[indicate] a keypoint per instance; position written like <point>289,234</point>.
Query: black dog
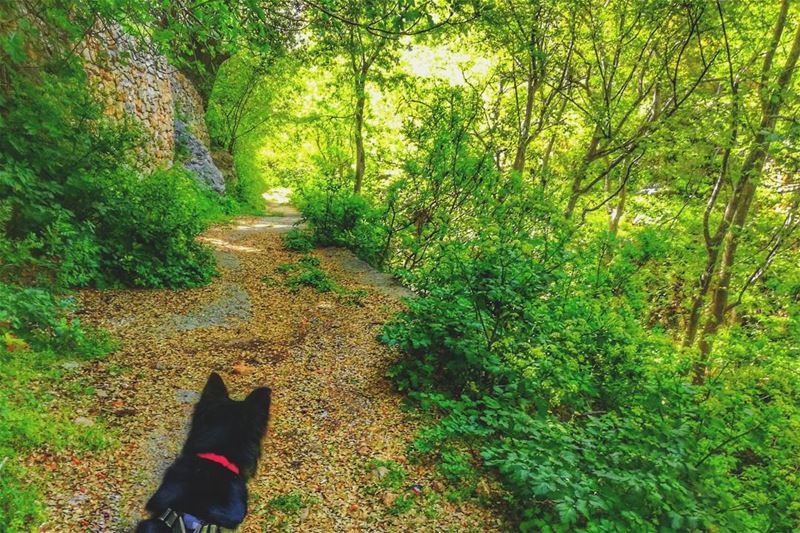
<point>205,488</point>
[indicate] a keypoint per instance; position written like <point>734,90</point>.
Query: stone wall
<point>134,83</point>
<point>137,83</point>
<point>189,106</point>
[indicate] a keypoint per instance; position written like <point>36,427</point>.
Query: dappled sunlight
<point>283,215</point>
<point>225,245</point>
<point>510,266</point>
<point>263,225</point>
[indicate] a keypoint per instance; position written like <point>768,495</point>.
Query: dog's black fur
<point>203,488</point>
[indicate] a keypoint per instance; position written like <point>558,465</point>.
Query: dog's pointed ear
<point>215,388</point>
<point>258,402</point>
<point>260,399</point>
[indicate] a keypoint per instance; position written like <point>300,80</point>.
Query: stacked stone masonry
<point>137,83</point>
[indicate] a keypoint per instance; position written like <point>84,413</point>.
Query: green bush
<point>44,321</point>
<point>296,240</point>
<point>71,183</point>
<point>76,209</point>
<point>586,419</point>
<point>146,229</point>
<point>337,217</point>
<point>311,277</point>
<point>117,227</point>
<point>306,273</point>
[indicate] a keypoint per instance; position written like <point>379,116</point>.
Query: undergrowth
<point>306,272</point>
<point>296,240</point>
<point>285,510</point>
<point>337,217</point>
<point>37,404</point>
<point>583,417</point>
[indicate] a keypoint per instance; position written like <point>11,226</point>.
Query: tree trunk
<point>712,258</point>
<point>718,306</point>
<point>525,131</point>
<point>743,196</point>
<point>358,133</point>
<point>577,181</point>
<point>616,212</point>
<point>693,324</point>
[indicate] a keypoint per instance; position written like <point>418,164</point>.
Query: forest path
<point>335,452</point>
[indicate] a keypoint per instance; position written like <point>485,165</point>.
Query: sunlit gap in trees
<point>441,61</point>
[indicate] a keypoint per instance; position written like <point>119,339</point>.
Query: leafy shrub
<point>402,504</point>
<point>337,217</point>
<point>44,321</point>
<point>71,182</point>
<point>119,228</point>
<point>484,303</point>
<point>353,297</point>
<point>76,209</point>
<point>147,231</point>
<point>585,418</point>
<point>306,273</point>
<point>311,277</point>
<point>296,240</point>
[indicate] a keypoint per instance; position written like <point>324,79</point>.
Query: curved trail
<point>334,414</point>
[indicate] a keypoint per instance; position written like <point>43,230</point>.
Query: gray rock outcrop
<point>198,158</point>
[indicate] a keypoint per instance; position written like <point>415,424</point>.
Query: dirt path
<point>335,454</point>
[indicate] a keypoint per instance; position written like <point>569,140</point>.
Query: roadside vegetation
<point>596,204</point>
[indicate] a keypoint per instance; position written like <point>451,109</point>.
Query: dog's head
<point>229,427</point>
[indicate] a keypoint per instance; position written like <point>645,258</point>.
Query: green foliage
<point>307,273</point>
<point>147,228</point>
<point>248,116</point>
<point>71,188</point>
<point>115,228</point>
<point>353,297</point>
<point>311,277</point>
<point>42,320</point>
<point>297,240</point>
<point>38,333</point>
<point>198,38</point>
<point>457,467</point>
<point>403,504</point>
<point>337,217</point>
<point>288,503</point>
<point>447,177</point>
<point>284,510</point>
<point>570,187</point>
<point>584,417</point>
<point>77,208</point>
<point>389,474</point>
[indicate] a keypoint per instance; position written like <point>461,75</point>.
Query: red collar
<point>220,460</point>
